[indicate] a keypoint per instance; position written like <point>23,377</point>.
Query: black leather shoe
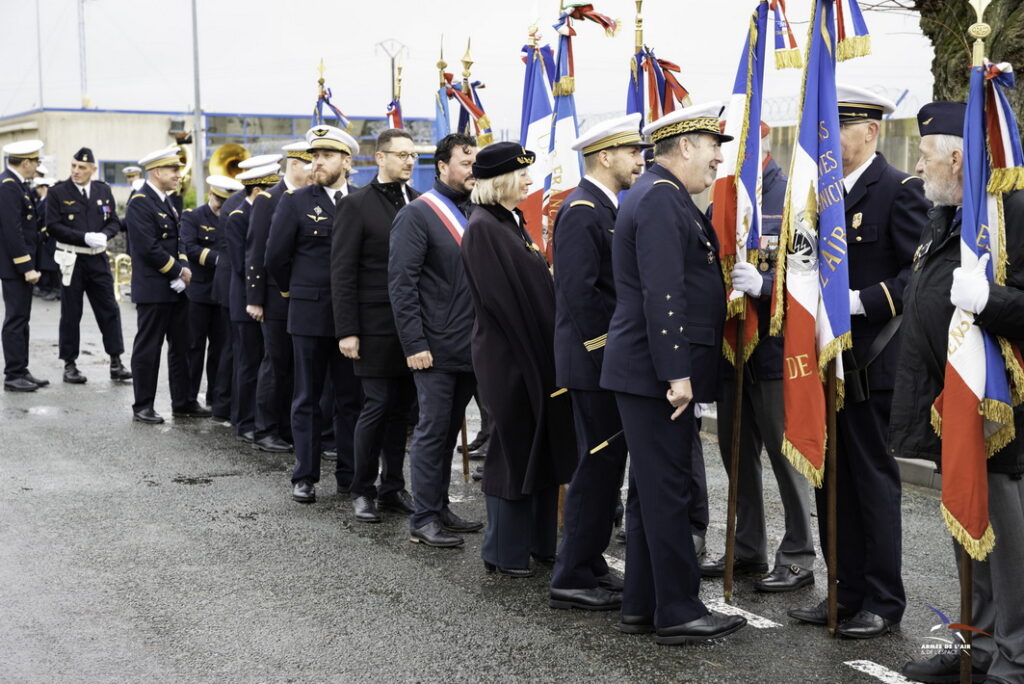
<point>72,375</point>
<point>785,578</point>
<point>636,624</point>
<point>940,669</point>
<point>20,385</point>
<point>273,444</point>
<point>477,474</point>
<point>705,628</point>
<point>148,415</point>
<point>398,502</point>
<point>584,599</point>
<point>249,436</point>
<point>365,509</point>
<point>543,560</point>
<point>866,625</point>
<point>37,381</point>
<point>611,582</point>
<point>432,534</point>
<point>818,615</point>
<point>304,492</point>
<point>453,523</point>
<point>739,567</point>
<point>478,454</point>
<point>192,410</point>
<point>519,573</point>
<point>117,369</point>
<point>329,454</point>
<point>479,442</point>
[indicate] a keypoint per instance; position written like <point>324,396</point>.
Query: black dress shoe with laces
<point>597,598</point>
<point>20,385</point>
<point>710,626</point>
<point>329,454</point>
<point>785,578</point>
<point>365,509</point>
<point>148,415</point>
<point>636,624</point>
<point>866,625</point>
<point>37,381</point>
<point>453,523</point>
<point>192,410</point>
<point>303,491</point>
<point>943,668</point>
<point>432,534</point>
<point>519,573</point>
<point>739,567</point>
<point>397,502</point>
<point>72,375</point>
<point>118,371</point>
<point>818,615</point>
<point>272,444</point>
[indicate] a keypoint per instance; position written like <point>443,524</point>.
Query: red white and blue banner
<point>983,379</point>
<point>654,89</point>
<point>535,127</point>
<point>395,114</point>
<point>813,278</point>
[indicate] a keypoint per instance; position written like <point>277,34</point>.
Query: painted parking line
<point>879,672</point>
<point>754,620</point>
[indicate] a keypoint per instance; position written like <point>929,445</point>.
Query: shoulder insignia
<point>8,180</point>
<point>70,202</point>
<point>667,182</point>
<point>289,192</point>
<point>582,203</point>
<point>911,178</point>
<point>138,194</point>
<point>185,212</point>
<point>264,193</point>
<point>236,211</point>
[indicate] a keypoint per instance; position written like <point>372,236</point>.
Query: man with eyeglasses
<point>365,327</point>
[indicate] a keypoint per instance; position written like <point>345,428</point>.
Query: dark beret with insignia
<point>942,118</point>
<point>501,158</point>
<point>85,155</point>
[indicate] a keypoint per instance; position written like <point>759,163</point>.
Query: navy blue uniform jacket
<point>19,227</point>
<point>235,228</point>
<point>584,285</point>
<point>222,270</point>
<point>199,230</point>
<point>69,216</point>
<point>670,295</point>
<point>260,288</point>
<point>157,257</point>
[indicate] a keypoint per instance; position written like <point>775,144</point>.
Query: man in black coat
<point>584,302</point>
<point>299,258</point>
<point>265,304</point>
<point>365,327</point>
<point>434,318</point>
<point>885,213</point>
<point>662,355</point>
<point>938,284</point>
<point>81,216</point>
<point>160,275</point>
<point>19,239</point>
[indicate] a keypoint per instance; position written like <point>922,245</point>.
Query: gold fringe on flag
<point>1015,371</point>
<point>1002,414</point>
<point>1006,180</point>
<point>936,421</point>
<point>802,465</point>
<point>484,139</point>
<point>854,46</point>
<point>978,549</point>
<point>789,58</point>
<point>564,86</point>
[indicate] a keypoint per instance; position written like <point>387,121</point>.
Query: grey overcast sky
<point>260,56</point>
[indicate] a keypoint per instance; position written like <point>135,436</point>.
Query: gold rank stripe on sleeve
<point>183,257</point>
<point>168,266</point>
<point>668,182</point>
<point>892,306</point>
<point>202,256</point>
<point>558,392</point>
<point>286,295</point>
<point>582,203</point>
<point>596,343</point>
<point>22,259</point>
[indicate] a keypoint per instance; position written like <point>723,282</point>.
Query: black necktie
<point>85,195</point>
<point>170,206</point>
<point>337,198</point>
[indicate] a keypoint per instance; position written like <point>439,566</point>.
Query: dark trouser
<point>91,278</point>
<point>662,575</point>
<point>381,431</point>
<point>274,382</point>
<point>17,310</point>
<point>761,426</point>
<point>209,338</point>
<point>700,513</point>
<point>315,358</point>
<point>521,527</point>
<point>868,519</point>
<point>593,493</point>
<point>247,343</point>
<point>157,322</point>
<point>224,404</point>
<point>442,403</point>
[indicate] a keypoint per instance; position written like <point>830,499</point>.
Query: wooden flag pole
<point>831,388</point>
<point>966,613</point>
<point>465,454</point>
<point>734,455</point>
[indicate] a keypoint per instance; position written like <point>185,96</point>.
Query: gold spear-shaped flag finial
<point>639,25</point>
<point>467,61</point>
<point>441,64</point>
<point>979,30</point>
<point>398,82</point>
<point>320,70</point>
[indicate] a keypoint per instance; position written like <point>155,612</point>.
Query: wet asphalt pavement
<point>131,552</point>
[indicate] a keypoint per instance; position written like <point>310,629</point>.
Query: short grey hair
<point>497,189</point>
<point>668,146</point>
<point>946,145</point>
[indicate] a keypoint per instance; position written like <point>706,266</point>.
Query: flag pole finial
<point>441,64</point>
<point>979,31</point>
<point>398,82</point>
<point>639,25</point>
<point>467,61</point>
<point>320,70</point>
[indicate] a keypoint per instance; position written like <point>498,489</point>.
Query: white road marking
<point>755,621</point>
<point>877,671</point>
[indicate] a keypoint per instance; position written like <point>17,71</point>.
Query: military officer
<point>886,212</point>
<point>299,259</point>
<point>19,240</point>
<point>208,336</point>
<point>81,216</point>
<point>246,336</point>
<point>662,356</point>
<point>265,304</point>
<point>584,302</point>
<point>133,176</point>
<point>160,274</point>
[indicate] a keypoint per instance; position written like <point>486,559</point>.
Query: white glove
<point>970,288</point>
<point>95,240</point>
<point>745,278</point>
<point>178,285</point>
<point>856,306</point>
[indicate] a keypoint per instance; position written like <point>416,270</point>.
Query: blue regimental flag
<point>535,128</point>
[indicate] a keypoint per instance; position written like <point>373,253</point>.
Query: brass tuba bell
<point>224,160</point>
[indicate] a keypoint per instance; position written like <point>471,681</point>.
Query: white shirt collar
<point>249,200</point>
<point>287,185</point>
<point>852,178</point>
<point>83,187</point>
<point>333,192</point>
<point>611,195</point>
<point>159,193</point>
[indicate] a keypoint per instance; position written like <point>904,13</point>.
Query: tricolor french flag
<point>535,128</point>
